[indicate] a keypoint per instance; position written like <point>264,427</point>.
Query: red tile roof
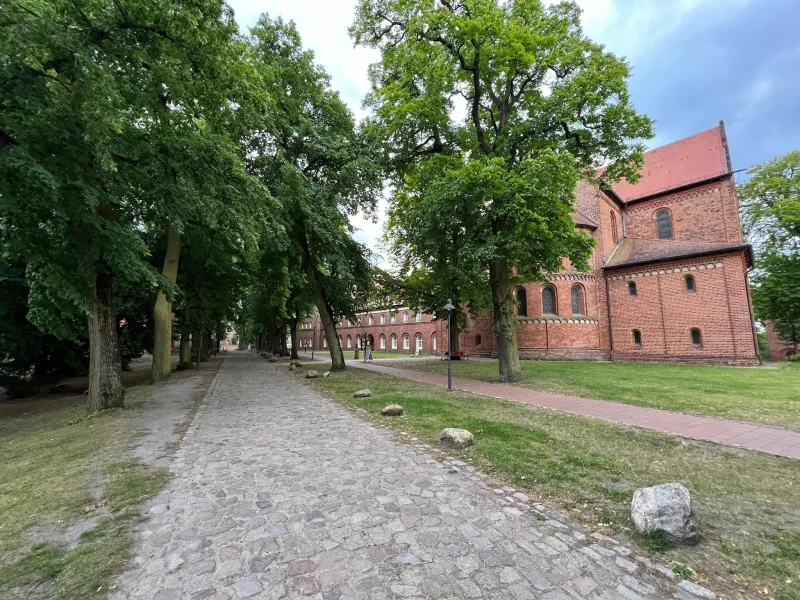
<point>637,251</point>
<point>693,159</point>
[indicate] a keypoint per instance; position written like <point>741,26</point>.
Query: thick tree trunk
<point>185,348</point>
<point>293,335</point>
<point>105,364</point>
<point>162,313</point>
<point>196,343</point>
<point>324,309</point>
<point>505,322</point>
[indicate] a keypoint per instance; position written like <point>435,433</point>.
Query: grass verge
<point>747,504</point>
<point>760,395</point>
<point>63,471</point>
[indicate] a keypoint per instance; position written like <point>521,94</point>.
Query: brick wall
<point>665,312</point>
<point>709,213</point>
<point>779,349</point>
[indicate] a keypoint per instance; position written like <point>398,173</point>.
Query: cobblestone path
<point>280,493</point>
<point>761,438</point>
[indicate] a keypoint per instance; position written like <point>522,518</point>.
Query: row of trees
<point>162,174</point>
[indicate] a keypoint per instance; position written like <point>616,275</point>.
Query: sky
<point>695,62</point>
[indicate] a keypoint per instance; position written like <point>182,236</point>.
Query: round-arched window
<point>549,301</point>
<point>663,224</point>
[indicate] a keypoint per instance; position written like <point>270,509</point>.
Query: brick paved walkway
<point>278,492</point>
<point>771,440</point>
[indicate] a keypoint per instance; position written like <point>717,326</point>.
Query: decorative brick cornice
<point>575,320</point>
<point>569,276</point>
<point>656,272</point>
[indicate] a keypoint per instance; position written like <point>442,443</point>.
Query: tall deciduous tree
<point>312,157</point>
<point>770,202</point>
<point>776,294</point>
<point>544,106</point>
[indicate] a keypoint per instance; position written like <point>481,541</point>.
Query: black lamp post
<point>449,308</point>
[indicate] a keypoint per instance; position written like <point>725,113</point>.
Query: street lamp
<point>449,308</point>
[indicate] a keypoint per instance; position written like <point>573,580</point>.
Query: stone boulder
<point>312,375</point>
<point>393,410</point>
<point>326,374</point>
<point>456,438</point>
<point>295,363</point>
<point>292,367</point>
<point>666,508</point>
<point>272,359</point>
<point>363,394</point>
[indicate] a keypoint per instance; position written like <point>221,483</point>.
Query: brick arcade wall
<point>709,213</point>
<point>664,312</point>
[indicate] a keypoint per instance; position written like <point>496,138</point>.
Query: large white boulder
<point>666,508</point>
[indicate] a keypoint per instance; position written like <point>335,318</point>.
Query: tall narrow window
<point>664,224</point>
<point>578,300</point>
<point>697,338</point>
<point>478,340</point>
<point>521,298</point>
<point>394,342</point>
<point>371,320</point>
<point>394,319</point>
<point>383,319</point>
<point>637,338</point>
<point>632,288</point>
<point>324,342</point>
<point>690,284</point>
<point>433,342</point>
<point>406,342</point>
<point>382,342</point>
<point>419,316</point>
<point>614,233</point>
<point>419,342</point>
<point>349,342</point>
<point>549,301</point>
<point>405,317</point>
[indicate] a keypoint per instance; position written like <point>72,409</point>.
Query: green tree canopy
<point>776,293</point>
<point>490,112</point>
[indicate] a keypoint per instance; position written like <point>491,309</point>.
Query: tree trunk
<point>293,334</point>
<point>105,364</point>
<point>324,309</point>
<point>505,322</point>
<point>162,313</point>
<point>185,348</point>
<point>195,343</point>
<point>454,341</point>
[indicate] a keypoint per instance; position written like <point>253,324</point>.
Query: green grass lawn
<point>52,456</point>
<point>761,395</point>
<point>747,504</point>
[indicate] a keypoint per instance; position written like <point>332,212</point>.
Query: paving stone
<point>278,492</point>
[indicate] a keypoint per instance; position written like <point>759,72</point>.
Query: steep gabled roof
<point>639,251</point>
<point>697,158</point>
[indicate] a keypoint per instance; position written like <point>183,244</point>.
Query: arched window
<point>349,342</point>
<point>371,320</point>
<point>478,339</point>
<point>383,319</point>
<point>405,317</point>
<point>632,288</point>
<point>637,338</point>
<point>406,342</point>
<point>549,301</point>
<point>382,342</point>
<point>394,319</point>
<point>697,338</point>
<point>578,297</point>
<point>394,342</point>
<point>614,233</point>
<point>433,342</point>
<point>358,341</point>
<point>419,342</point>
<point>324,342</point>
<point>419,316</point>
<point>521,298</point>
<point>664,224</point>
<point>690,284</point>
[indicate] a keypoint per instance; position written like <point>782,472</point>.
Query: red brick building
<point>668,278</point>
<point>780,350</point>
